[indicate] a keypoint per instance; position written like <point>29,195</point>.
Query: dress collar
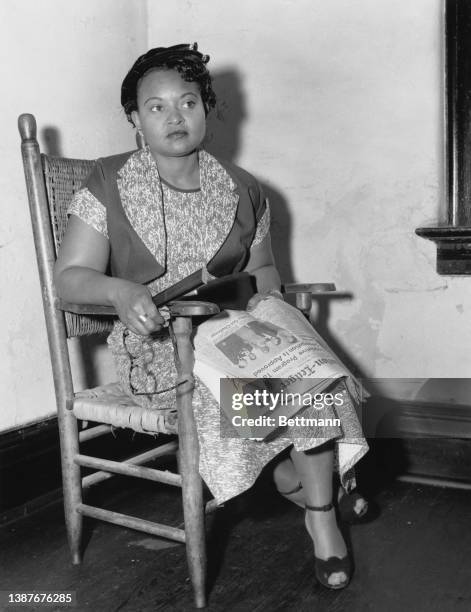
<point>141,192</point>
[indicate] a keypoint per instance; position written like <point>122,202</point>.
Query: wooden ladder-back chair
<point>51,182</point>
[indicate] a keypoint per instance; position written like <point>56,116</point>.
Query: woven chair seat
<point>110,404</point>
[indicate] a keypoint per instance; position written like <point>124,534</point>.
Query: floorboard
<point>414,556</point>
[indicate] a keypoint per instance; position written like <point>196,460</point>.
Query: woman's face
<point>170,113</point>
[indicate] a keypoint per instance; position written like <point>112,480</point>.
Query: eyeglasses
<point>141,353</point>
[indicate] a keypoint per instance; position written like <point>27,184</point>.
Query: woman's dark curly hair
<point>185,59</point>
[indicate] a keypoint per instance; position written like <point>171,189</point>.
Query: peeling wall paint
<point>338,107</point>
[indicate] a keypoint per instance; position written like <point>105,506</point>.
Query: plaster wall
<point>63,62</point>
<point>337,107</point>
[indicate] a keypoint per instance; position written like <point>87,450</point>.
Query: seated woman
<point>158,214</point>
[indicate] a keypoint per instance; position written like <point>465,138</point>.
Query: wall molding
<point>436,444</point>
<point>431,419</point>
<point>29,468</point>
<point>30,473</point>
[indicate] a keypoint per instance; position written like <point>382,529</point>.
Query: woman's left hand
<point>259,297</point>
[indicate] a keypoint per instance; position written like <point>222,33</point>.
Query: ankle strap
<point>325,508</point>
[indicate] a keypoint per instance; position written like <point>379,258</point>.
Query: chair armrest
<point>177,309</point>
<point>84,309</point>
<point>304,293</point>
<point>192,308</point>
<point>309,288</point>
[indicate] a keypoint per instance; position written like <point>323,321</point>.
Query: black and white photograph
<point>198,193</point>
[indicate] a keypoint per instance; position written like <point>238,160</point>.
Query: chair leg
<point>194,517</point>
<point>192,486</point>
<point>71,482</point>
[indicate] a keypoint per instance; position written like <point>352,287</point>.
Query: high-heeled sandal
<point>345,505</point>
<point>324,568</point>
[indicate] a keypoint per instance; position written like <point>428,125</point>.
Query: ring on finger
<point>143,317</point>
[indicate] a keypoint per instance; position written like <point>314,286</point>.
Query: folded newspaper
<point>266,365</point>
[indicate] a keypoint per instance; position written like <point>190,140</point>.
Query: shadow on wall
<point>320,319</point>
<point>89,345</point>
<point>224,127</point>
<point>51,139</point>
<point>224,137</point>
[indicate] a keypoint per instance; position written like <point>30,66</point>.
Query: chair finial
<point>27,126</point>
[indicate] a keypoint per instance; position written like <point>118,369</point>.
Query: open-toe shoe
<point>347,506</point>
<point>324,568</point>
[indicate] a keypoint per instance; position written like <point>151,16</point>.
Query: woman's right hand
<point>79,275</point>
<point>135,308</point>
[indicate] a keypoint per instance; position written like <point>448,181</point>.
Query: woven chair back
<point>63,178</point>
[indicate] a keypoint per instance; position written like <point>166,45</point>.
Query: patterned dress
<point>228,465</point>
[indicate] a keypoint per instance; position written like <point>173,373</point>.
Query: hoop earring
<point>140,140</point>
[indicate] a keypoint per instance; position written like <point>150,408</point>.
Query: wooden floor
<point>414,556</point>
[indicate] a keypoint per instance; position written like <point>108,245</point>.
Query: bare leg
<point>287,480</point>
<point>315,470</point>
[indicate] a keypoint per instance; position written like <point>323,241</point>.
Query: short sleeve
<point>90,210</point>
<point>263,226</point>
